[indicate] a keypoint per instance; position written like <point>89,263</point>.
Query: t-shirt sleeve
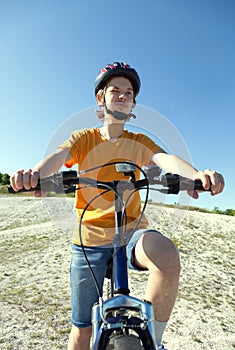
<point>72,145</point>
<point>150,148</point>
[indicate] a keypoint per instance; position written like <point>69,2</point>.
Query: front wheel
<point>121,342</point>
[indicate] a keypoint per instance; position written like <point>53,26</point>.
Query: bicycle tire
<point>121,342</point>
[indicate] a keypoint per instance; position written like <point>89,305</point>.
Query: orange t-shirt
<point>88,149</point>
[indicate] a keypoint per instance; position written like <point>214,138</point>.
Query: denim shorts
<point>83,289</point>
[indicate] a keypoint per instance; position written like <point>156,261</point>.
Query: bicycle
<point>121,321</point>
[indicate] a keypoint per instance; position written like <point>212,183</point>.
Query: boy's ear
<point>100,99</point>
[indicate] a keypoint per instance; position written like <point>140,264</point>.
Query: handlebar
<point>67,181</point>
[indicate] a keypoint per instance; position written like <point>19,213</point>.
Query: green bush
<point>4,179</point>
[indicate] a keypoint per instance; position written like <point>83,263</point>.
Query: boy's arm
<point>176,165</point>
<point>47,166</point>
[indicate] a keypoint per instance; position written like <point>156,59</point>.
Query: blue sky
<point>184,51</point>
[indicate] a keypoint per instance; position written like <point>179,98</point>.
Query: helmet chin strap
<point>119,115</point>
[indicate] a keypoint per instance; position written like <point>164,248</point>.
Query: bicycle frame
<point>122,301</point>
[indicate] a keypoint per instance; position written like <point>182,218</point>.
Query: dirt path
<point>34,278</point>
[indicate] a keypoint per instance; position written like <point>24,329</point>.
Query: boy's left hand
<point>210,180</point>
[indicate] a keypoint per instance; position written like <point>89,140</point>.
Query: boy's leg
<point>79,338</point>
<point>150,250</point>
<point>159,255</point>
<point>83,291</point>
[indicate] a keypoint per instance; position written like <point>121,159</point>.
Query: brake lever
<point>171,182</point>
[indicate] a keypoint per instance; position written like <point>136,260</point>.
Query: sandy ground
<point>34,277</point>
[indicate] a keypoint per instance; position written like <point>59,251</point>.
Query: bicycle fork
<point>119,303</point>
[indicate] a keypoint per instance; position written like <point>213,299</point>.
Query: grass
<point>4,189</point>
<point>216,210</point>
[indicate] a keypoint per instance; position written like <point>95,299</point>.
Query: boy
<point>116,88</point>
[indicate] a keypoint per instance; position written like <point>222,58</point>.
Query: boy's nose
<point>122,96</point>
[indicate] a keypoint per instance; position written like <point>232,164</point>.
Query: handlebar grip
<point>52,183</point>
<point>198,186</point>
<point>177,183</point>
<point>12,191</point>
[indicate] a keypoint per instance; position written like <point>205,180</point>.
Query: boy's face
<point>119,95</point>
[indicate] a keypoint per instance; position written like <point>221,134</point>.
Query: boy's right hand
<point>24,179</point>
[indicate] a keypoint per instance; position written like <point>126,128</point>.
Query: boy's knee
<point>161,252</point>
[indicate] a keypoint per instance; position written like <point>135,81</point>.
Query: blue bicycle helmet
<point>117,69</point>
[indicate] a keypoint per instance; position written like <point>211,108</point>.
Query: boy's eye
<point>115,91</point>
